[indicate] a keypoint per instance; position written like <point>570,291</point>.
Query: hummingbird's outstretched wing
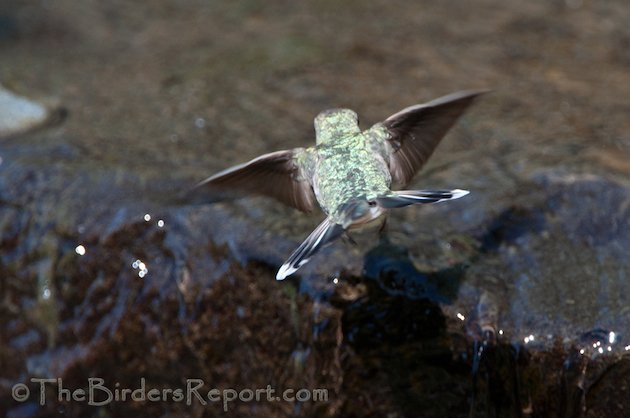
<point>416,131</point>
<point>401,198</point>
<point>277,174</point>
<point>325,232</point>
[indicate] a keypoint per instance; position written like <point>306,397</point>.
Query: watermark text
<point>98,393</point>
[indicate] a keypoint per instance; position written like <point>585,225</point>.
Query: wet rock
<point>166,326</point>
<point>555,262</point>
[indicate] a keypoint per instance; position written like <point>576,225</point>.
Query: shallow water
<point>512,301</point>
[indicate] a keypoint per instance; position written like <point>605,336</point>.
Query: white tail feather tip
<point>457,193</point>
<point>285,271</point>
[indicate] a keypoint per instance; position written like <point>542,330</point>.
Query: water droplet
<point>460,316</point>
<point>141,267</point>
<point>160,223</point>
<point>147,217</point>
<point>80,250</point>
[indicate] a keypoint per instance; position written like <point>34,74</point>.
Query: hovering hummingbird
<point>351,173</point>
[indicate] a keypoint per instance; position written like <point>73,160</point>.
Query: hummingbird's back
<point>348,169</point>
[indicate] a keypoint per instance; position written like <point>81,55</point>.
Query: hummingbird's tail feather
<point>325,232</point>
<point>409,197</point>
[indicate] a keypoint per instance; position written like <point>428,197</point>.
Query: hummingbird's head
<point>333,123</point>
<point>359,212</point>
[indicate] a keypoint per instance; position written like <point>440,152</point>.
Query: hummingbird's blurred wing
<point>416,131</point>
<point>277,174</point>
<point>325,232</point>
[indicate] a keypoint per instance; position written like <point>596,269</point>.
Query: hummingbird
<point>354,176</point>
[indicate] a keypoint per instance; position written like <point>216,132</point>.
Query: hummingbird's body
<point>353,160</point>
<point>350,173</point>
